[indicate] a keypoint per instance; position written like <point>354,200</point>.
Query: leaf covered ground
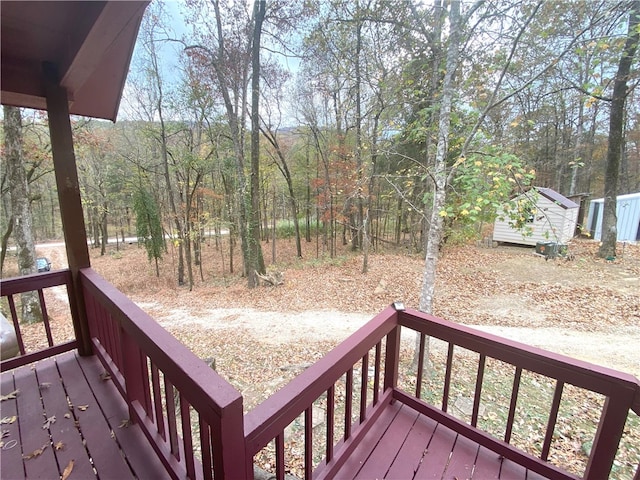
<point>261,338</point>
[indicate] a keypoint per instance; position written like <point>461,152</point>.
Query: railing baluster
<point>205,449</point>
<point>45,317</point>
<point>171,417</point>
<point>308,442</point>
<point>331,394</point>
<point>109,337</point>
<point>16,324</point>
<point>376,379</point>
<point>478,392</point>
<point>420,365</point>
<point>92,316</point>
<point>447,379</point>
<point>363,387</point>
<point>553,417</point>
<point>512,405</point>
<point>157,400</point>
<point>280,466</point>
<point>187,439</point>
<point>348,403</point>
<point>113,328</point>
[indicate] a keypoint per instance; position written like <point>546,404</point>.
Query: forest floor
<point>586,307</point>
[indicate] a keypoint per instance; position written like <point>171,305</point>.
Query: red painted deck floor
<point>404,444</point>
<point>69,417</point>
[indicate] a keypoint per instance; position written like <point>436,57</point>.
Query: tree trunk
<point>440,174</point>
<point>256,259</point>
<point>616,127</point>
<point>440,169</point>
<point>20,208</point>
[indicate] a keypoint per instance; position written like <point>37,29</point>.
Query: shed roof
<point>557,198</point>
<point>90,43</point>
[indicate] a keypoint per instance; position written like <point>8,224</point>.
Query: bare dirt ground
<point>587,308</point>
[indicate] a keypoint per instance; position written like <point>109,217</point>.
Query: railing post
<point>610,429</point>
<point>230,458</point>
<point>71,213</point>
<point>392,356</point>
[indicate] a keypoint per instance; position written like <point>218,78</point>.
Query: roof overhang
<point>89,43</point>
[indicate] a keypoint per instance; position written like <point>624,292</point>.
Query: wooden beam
<point>71,213</point>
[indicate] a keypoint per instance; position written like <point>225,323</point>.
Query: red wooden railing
<point>37,282</point>
<point>181,404</point>
<point>621,392</point>
<point>268,421</point>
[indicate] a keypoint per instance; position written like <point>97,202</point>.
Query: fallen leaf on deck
<point>67,470</point>
<point>83,408</point>
<point>124,423</point>
<point>5,434</point>
<point>59,446</point>
<point>6,420</point>
<point>44,385</point>
<point>48,422</point>
<point>35,453</point>
<point>104,376</point>
<point>10,396</point>
<point>113,434</point>
<point>67,415</point>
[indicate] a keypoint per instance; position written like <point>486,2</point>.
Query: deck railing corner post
<point>79,314</point>
<point>230,458</point>
<point>392,356</point>
<point>609,433</point>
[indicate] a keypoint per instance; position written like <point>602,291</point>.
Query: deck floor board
<point>463,458</point>
<point>11,451</point>
<point>408,445</point>
<point>116,412</point>
<point>31,418</point>
<point>408,459</point>
<point>384,453</point>
<point>88,413</point>
<point>64,433</point>
<point>100,444</point>
<point>364,448</point>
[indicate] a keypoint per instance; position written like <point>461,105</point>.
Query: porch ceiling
<point>90,42</point>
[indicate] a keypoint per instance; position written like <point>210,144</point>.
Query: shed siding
<point>552,222</point>
<point>628,211</point>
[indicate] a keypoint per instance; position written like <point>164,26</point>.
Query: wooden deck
<point>69,415</point>
<point>409,445</point>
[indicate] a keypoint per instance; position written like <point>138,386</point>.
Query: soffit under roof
<point>89,42</point>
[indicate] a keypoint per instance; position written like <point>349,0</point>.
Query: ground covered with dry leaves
<point>260,338</point>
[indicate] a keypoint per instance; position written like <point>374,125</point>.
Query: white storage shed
<point>553,219</point>
<point>628,213</point>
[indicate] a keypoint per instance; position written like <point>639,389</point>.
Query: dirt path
<point>588,309</point>
<point>277,328</point>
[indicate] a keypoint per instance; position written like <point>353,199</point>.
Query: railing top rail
<point>577,372</point>
<point>206,389</point>
<point>636,402</point>
<point>286,404</point>
<point>34,281</point>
